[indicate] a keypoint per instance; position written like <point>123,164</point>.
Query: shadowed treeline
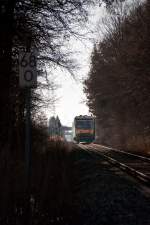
<point>119,79</point>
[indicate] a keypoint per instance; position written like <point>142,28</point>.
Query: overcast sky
<point>71,98</point>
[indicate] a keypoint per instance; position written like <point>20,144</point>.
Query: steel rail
<point>131,171</point>
<point>123,152</point>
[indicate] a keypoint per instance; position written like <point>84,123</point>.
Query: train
<point>84,129</point>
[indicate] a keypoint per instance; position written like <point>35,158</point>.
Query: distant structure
<point>55,127</point>
<point>67,131</point>
<point>57,131</point>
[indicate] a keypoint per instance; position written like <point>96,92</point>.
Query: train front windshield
<point>84,124</point>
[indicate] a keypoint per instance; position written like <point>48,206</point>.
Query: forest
<point>117,90</point>
<point>43,26</point>
<point>118,83</point>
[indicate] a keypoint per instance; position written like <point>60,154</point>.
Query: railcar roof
<point>84,117</point>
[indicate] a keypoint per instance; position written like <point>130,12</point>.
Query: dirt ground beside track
<point>102,195</point>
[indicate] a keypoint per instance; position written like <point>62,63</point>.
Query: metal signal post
<point>28,151</point>
<point>28,80</point>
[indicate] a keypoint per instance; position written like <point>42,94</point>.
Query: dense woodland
<point>26,25</point>
<point>118,84</point>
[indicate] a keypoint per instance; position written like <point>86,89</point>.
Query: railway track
<point>136,165</point>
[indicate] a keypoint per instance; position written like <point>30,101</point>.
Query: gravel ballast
<point>103,195</point>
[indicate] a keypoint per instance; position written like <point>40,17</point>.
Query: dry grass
<point>50,186</point>
<point>139,144</point>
